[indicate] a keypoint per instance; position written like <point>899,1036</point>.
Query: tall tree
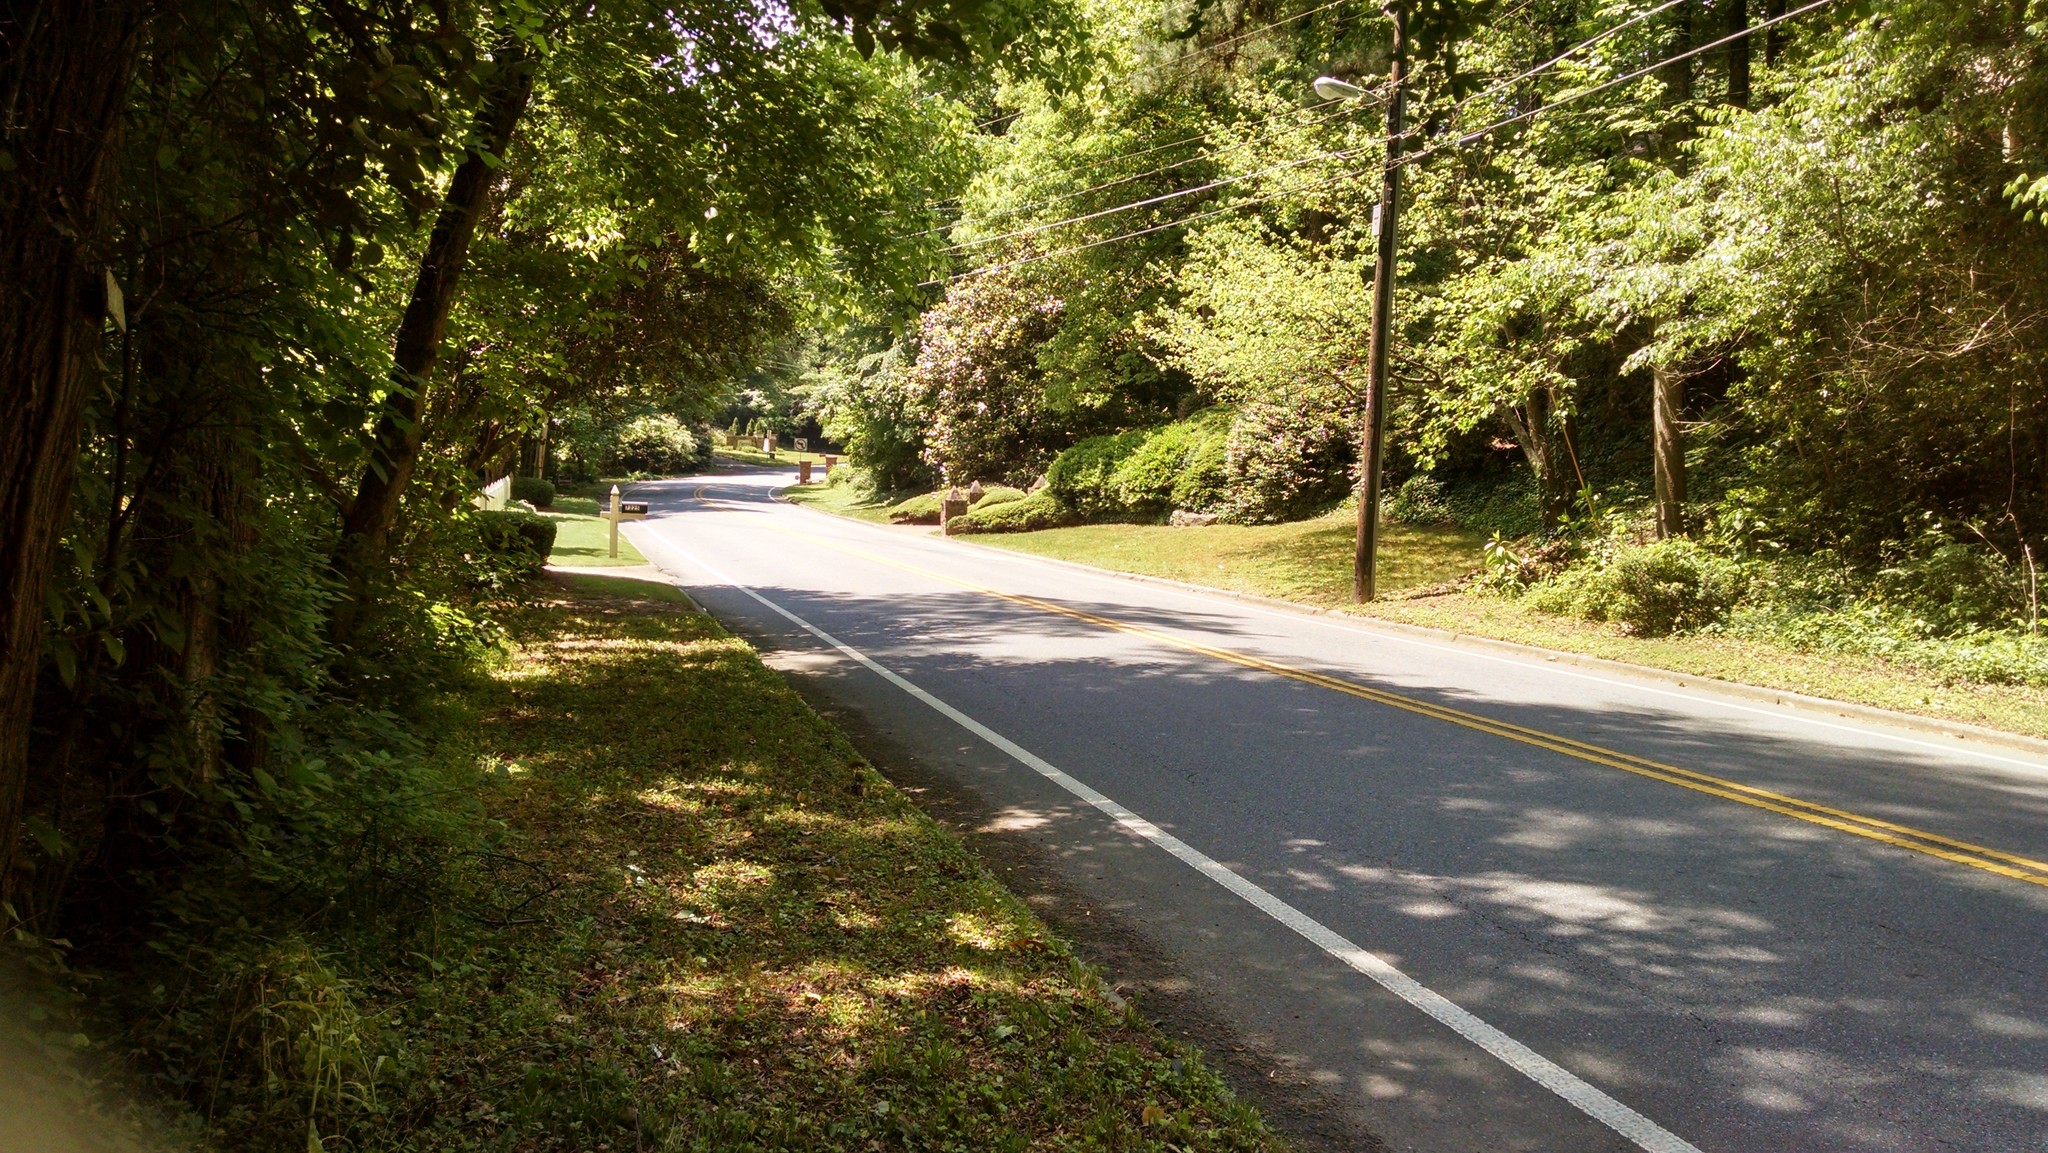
<point>64,69</point>
<point>395,444</point>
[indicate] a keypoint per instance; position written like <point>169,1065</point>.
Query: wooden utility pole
<point>1667,381</point>
<point>1368,537</point>
<point>1667,444</point>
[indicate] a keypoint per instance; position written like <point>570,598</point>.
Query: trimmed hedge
<point>922,509</point>
<point>1034,512</point>
<point>999,494</point>
<point>1178,466</point>
<point>1084,477</point>
<point>516,535</point>
<point>536,491</point>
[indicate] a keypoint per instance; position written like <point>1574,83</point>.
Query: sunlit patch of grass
<point>584,540</point>
<point>1306,561</point>
<point>1309,563</point>
<point>842,499</point>
<point>708,924</point>
<point>1745,659</point>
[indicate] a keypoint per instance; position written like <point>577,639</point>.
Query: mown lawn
<point>710,925</point>
<point>582,537</point>
<point>842,499</point>
<point>784,455</point>
<point>585,540</point>
<point>1306,561</point>
<point>1309,563</point>
<point>1749,660</point>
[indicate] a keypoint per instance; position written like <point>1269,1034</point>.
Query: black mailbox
<point>632,508</point>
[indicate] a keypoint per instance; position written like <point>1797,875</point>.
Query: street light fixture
<point>1331,88</point>
<point>1365,555</point>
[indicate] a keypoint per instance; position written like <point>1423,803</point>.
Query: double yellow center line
<point>1990,860</point>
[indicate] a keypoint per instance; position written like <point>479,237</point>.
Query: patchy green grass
<point>783,456</point>
<point>709,925</point>
<point>1306,561</point>
<point>1309,563</point>
<point>645,588</point>
<point>1746,660</point>
<point>841,499</point>
<point>584,539</point>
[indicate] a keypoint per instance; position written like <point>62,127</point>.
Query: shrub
<point>1419,500</point>
<point>657,444</point>
<point>1953,587</point>
<point>1651,590</point>
<point>517,537</point>
<point>1178,466</point>
<point>533,490</point>
<point>922,509</point>
<point>999,494</point>
<point>1083,478</point>
<point>1034,512</point>
<point>1282,462</point>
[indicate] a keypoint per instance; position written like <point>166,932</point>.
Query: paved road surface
<point>1488,903</point>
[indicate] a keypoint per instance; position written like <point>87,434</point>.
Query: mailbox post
<point>623,510</point>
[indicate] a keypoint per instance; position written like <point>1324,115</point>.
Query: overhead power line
<point>1242,36</point>
<point>1409,158</point>
<point>1498,87</point>
<point>1572,97</point>
<point>1344,106</point>
<point>1199,51</point>
<point>1151,200</point>
<point>1233,206</point>
<point>1574,50</point>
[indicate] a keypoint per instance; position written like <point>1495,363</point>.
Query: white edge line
<point>1646,1134</point>
<point>1874,730</point>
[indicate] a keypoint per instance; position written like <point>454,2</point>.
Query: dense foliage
<point>314,274</point>
<point>1819,247</point>
<point>286,283</point>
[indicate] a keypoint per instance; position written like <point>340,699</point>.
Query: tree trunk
<point>364,548</point>
<point>1738,53</point>
<point>1774,39</point>
<point>533,452</point>
<point>1530,422</point>
<point>64,72</point>
<point>1667,399</point>
<point>1677,75</point>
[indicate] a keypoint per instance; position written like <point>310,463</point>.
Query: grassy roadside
<point>582,537</point>
<point>786,457</point>
<point>710,925</point>
<point>1309,563</point>
<point>844,500</point>
<point>1745,660</point>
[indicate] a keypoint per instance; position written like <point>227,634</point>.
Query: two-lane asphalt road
<point>1489,902</point>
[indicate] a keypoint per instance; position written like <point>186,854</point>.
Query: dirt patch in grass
<point>711,925</point>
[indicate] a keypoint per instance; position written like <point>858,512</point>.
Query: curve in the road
<point>1997,861</point>
<point>1582,1095</point>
